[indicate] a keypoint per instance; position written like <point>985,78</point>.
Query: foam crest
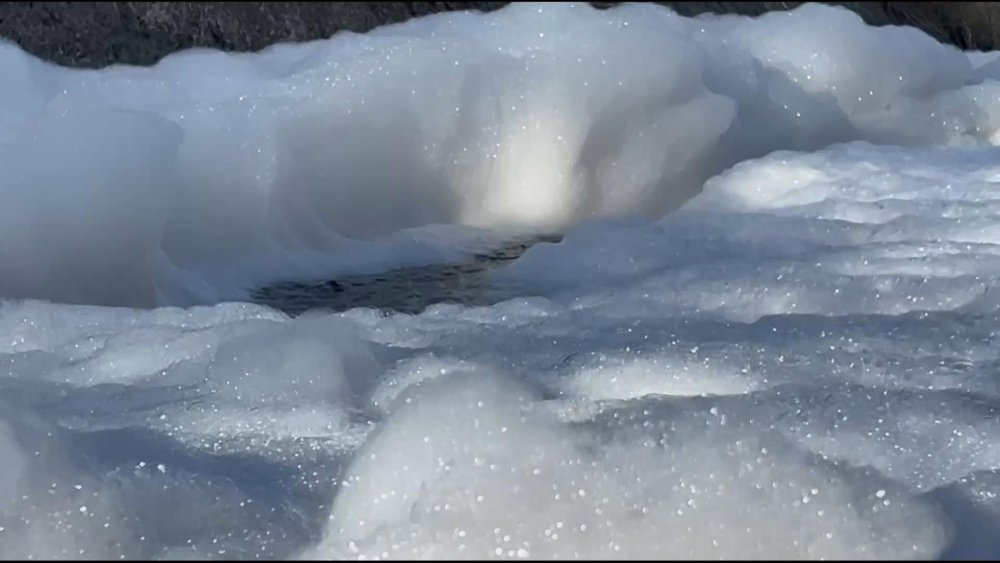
<point>209,174</point>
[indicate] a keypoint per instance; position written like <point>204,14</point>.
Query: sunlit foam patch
<point>280,380</point>
<point>478,467</point>
<point>412,372</point>
<point>230,172</point>
<point>628,377</point>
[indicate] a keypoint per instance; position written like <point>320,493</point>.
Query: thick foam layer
<point>797,362</point>
<point>210,174</point>
<point>474,467</point>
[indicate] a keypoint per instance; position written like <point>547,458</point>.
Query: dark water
<point>405,290</point>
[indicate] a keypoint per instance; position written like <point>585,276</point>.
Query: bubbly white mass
<point>771,330</point>
<point>211,173</point>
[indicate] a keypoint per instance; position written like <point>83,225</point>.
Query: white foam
<point>797,362</point>
<point>212,173</point>
<point>473,467</point>
<point>12,469</point>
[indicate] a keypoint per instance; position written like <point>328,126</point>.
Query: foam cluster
<point>210,173</point>
<point>798,361</point>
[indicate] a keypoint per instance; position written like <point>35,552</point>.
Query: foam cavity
<point>796,362</point>
<point>209,174</point>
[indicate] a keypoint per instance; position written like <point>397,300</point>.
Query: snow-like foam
<point>474,467</point>
<point>212,173</point>
<point>795,364</point>
<point>798,361</point>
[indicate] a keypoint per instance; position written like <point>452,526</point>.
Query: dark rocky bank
<point>96,34</point>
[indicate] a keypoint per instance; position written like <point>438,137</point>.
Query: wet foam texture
<point>770,330</point>
<point>210,173</point>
